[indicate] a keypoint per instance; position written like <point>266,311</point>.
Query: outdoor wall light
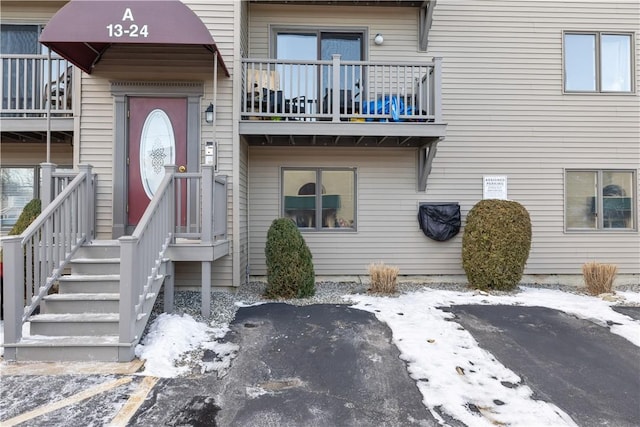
<point>378,39</point>
<point>208,114</point>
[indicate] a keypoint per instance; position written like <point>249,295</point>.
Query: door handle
<point>182,169</point>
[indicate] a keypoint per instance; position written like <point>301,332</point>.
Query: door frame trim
<point>121,92</point>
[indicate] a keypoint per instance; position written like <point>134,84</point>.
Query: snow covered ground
<point>446,362</point>
<point>448,365</point>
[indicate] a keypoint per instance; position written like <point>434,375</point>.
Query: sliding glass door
<point>312,83</point>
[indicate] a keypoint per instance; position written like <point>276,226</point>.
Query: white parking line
<point>134,402</point>
<point>85,394</point>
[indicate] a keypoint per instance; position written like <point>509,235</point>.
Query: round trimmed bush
<point>290,271</point>
<point>496,244</point>
<point>29,213</point>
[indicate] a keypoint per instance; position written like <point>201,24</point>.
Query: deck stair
<point>81,321</point>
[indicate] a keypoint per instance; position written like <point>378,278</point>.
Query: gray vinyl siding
<point>28,12</point>
<point>398,24</point>
<point>160,64</point>
<point>387,227</point>
<point>506,115</point>
<point>28,154</point>
<point>25,154</point>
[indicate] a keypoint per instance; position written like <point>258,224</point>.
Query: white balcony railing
<point>32,85</point>
<point>338,90</point>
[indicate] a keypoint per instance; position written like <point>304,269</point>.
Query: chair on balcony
<point>347,104</point>
<point>59,91</point>
<point>273,101</point>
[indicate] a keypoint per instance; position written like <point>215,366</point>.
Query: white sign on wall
<point>494,187</point>
<point>211,154</point>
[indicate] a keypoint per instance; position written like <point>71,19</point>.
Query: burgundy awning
<point>84,29</point>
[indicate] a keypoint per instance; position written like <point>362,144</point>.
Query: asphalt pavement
<point>331,365</point>
<point>590,373</point>
<point>318,365</point>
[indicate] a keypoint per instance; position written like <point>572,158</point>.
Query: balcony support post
<point>48,106</point>
<point>426,154</point>
<point>205,309</point>
<point>426,20</point>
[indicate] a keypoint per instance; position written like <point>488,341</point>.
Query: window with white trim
<point>320,199</point>
<point>600,200</point>
<point>598,62</point>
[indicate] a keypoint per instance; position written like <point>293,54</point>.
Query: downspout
<point>215,105</point>
<point>207,266</point>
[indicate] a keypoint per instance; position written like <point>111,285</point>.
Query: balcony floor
<point>343,133</point>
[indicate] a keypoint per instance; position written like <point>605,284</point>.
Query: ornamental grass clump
<point>384,278</point>
<point>599,277</point>
<point>496,244</point>
<point>290,272</point>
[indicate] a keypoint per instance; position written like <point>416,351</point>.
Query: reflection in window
<point>17,189</point>
<point>580,62</point>
<point>597,62</point>
<point>320,199</point>
<point>600,200</point>
<point>615,62</point>
<point>307,82</point>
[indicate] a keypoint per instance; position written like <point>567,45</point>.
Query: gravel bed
<point>224,304</point>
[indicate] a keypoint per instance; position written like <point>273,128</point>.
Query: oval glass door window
<point>157,148</point>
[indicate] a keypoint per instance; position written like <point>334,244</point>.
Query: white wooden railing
<point>364,90</point>
<point>34,260</point>
<point>199,192</point>
<point>192,205</point>
<point>142,257</point>
<point>33,85</point>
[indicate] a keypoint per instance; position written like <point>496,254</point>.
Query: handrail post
<point>174,202</point>
<point>207,188</point>
<point>128,289</point>
<point>335,89</point>
<point>220,207</point>
<point>437,89</point>
<point>46,191</point>
<point>13,295</point>
<point>87,211</point>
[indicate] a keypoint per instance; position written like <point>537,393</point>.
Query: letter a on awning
<point>82,30</point>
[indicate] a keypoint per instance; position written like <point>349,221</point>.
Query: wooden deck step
<point>68,348</point>
<point>75,324</point>
<point>81,303</point>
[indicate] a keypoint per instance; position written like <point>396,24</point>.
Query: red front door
<point>157,136</point>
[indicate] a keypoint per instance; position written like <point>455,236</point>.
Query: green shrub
<point>29,213</point>
<point>496,244</point>
<point>290,271</point>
